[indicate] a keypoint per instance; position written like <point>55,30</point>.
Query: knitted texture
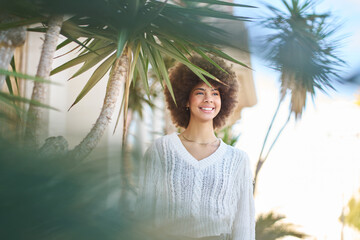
<point>191,198</point>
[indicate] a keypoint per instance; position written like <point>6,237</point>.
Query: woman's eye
<point>216,94</point>
<point>199,93</point>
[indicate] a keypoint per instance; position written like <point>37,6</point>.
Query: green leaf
<point>91,46</point>
<point>11,103</point>
<point>8,81</point>
<point>163,70</point>
<point>13,67</point>
<point>119,113</point>
<point>183,47</point>
<point>9,85</point>
<point>73,39</point>
<point>95,78</point>
<point>25,22</point>
<point>203,12</point>
<point>169,45</point>
<point>92,62</point>
<point>220,53</point>
<point>142,70</point>
<point>143,20</point>
<point>81,59</point>
<point>134,61</point>
<point>149,55</point>
<point>201,53</point>
<point>123,37</point>
<point>64,43</point>
<point>71,50</point>
<point>217,2</point>
<point>126,103</point>
<point>13,98</point>
<point>198,71</point>
<point>25,76</point>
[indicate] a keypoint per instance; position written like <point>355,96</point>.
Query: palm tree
<point>303,51</point>
<point>270,227</point>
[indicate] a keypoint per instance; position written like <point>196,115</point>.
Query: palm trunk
<point>9,40</point>
<point>118,76</point>
<point>36,126</point>
<point>263,159</point>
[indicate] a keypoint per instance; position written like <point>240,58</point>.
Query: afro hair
<point>183,80</point>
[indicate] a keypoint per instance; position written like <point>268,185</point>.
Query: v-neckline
<point>188,157</point>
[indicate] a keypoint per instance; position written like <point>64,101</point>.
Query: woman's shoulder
<point>238,157</point>
<point>241,165</point>
<point>159,143</point>
<point>237,153</point>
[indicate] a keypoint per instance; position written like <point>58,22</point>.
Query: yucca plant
<point>127,36</point>
<point>304,50</point>
<point>28,12</point>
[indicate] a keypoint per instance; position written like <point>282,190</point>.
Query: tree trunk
<point>9,40</point>
<point>36,127</point>
<point>118,76</point>
<point>263,159</point>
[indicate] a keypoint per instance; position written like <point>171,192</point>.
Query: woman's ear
<point>187,104</point>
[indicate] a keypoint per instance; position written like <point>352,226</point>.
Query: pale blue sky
<point>346,11</point>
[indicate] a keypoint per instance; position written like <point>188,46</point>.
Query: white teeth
<point>207,109</point>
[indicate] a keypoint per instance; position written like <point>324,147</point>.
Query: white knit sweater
<point>191,198</point>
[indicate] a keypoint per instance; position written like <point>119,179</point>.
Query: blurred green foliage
<point>352,218</point>
<point>51,197</point>
<point>270,226</point>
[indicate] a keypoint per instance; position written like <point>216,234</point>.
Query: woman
<point>194,185</point>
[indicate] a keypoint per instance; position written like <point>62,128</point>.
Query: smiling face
<point>204,103</point>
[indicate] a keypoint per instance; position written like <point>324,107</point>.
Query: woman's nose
<point>208,98</point>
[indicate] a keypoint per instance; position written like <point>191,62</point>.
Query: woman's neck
<point>200,132</point>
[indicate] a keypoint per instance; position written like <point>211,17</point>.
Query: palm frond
<point>270,226</point>
<point>303,48</point>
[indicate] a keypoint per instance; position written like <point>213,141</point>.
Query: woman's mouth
<point>207,109</point>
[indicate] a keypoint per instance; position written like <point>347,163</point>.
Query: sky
<point>344,12</point>
<point>314,167</point>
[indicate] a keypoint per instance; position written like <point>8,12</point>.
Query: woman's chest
<point>184,180</point>
<point>200,152</point>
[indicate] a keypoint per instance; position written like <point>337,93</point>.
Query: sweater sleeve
<point>244,223</point>
<point>149,171</point>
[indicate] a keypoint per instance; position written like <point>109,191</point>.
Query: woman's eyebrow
<point>203,89</point>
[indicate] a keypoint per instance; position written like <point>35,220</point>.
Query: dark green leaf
<point>25,76</point>
<point>95,78</point>
<point>14,98</point>
<point>123,37</point>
